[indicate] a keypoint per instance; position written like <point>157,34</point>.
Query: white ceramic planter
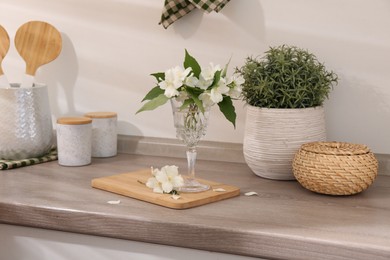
<point>272,137</point>
<point>26,128</point>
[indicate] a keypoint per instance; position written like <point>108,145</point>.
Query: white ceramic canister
<point>104,133</point>
<point>74,135</point>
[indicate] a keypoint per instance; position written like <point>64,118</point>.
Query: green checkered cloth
<point>210,5</point>
<point>11,164</point>
<point>176,9</point>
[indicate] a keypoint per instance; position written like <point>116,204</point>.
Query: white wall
<point>111,47</point>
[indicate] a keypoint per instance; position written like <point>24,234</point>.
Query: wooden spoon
<point>4,46</point>
<point>38,43</point>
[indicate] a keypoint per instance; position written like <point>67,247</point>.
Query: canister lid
<point>74,120</point>
<point>100,114</point>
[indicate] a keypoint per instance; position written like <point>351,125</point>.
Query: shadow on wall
<point>60,78</point>
<point>251,23</point>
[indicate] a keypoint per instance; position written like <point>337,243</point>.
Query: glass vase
<point>191,125</point>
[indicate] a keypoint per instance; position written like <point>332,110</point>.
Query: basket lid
<point>335,148</point>
<point>101,114</point>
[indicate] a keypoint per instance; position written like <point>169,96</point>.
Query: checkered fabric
<point>176,9</point>
<point>210,5</point>
<point>11,164</point>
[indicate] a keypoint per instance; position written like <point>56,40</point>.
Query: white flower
<point>235,91</point>
<point>174,79</point>
<point>217,92</point>
<point>235,84</point>
<point>209,72</point>
<point>238,79</point>
<point>173,176</point>
<point>154,184</point>
<point>165,180</point>
<point>206,77</point>
<point>203,84</point>
<point>205,97</point>
<point>191,81</point>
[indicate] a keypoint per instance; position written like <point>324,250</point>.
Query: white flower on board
<point>166,180</point>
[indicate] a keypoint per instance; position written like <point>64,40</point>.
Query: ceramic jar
<point>74,141</point>
<point>104,133</point>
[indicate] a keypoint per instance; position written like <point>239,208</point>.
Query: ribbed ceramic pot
<point>26,128</point>
<point>272,137</point>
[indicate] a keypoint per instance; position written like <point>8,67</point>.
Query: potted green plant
<point>284,91</point>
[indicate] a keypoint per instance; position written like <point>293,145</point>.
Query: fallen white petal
<point>251,193</point>
<point>175,197</point>
<point>114,202</point>
<point>219,190</point>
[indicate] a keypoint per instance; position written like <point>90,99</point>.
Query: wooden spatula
<point>4,46</point>
<point>38,43</point>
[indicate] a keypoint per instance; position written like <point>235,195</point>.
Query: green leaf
<point>228,110</point>
<point>154,103</point>
<point>186,103</point>
<point>190,62</point>
<point>217,78</point>
<point>153,93</point>
<point>160,76</point>
<point>199,103</point>
<point>194,91</point>
<point>194,95</point>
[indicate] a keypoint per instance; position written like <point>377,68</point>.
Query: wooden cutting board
<point>128,184</point>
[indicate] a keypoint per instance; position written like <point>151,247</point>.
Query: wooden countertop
<point>284,222</point>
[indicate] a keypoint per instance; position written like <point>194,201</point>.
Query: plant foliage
<point>286,77</point>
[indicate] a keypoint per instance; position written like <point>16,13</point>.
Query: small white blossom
<point>174,79</point>
<point>238,80</point>
<point>165,180</point>
<point>217,92</point>
<point>154,184</point>
<point>203,84</point>
<point>191,81</point>
<point>205,97</point>
<point>235,83</point>
<point>206,77</point>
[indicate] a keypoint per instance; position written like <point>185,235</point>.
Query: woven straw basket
<point>335,168</point>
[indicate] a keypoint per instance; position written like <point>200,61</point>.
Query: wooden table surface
<point>284,221</point>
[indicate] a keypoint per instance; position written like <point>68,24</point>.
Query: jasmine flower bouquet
<point>196,87</point>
